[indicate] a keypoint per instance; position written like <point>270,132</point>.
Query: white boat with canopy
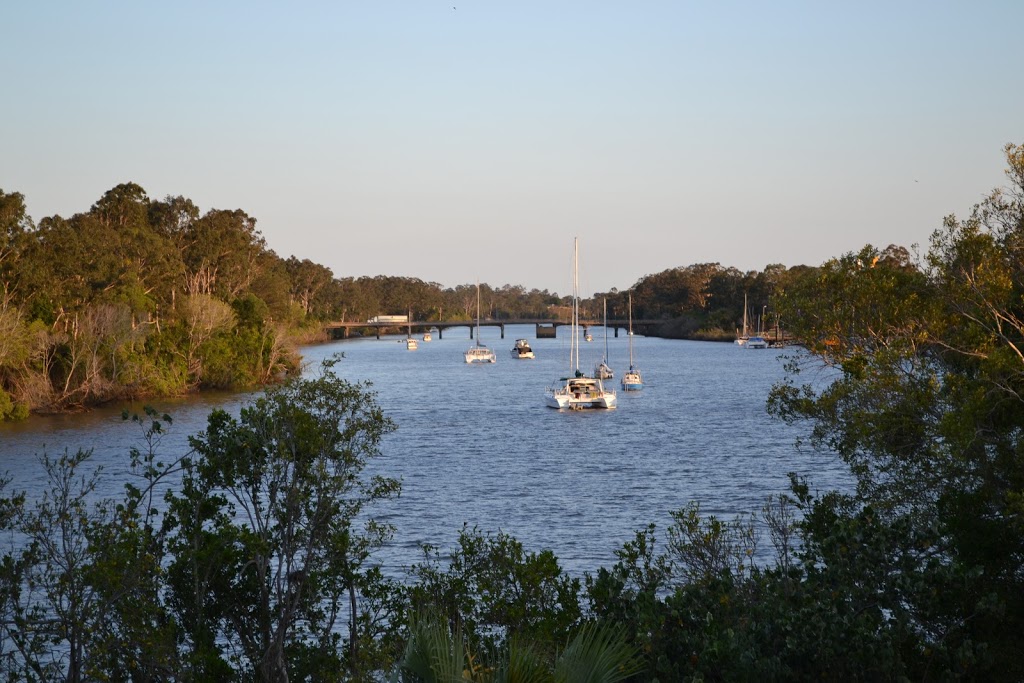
<point>522,350</point>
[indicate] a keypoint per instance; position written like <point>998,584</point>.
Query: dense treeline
<point>258,562</point>
<point>138,297</point>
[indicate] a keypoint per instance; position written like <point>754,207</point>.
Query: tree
<point>272,530</point>
<point>308,280</point>
<point>437,654</point>
<point>14,224</point>
<point>222,253</point>
<point>927,409</point>
<point>493,590</point>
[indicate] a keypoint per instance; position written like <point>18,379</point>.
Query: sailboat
<point>741,339</point>
<point>758,342</point>
<point>578,391</point>
<point>478,353</point>
<point>602,370</point>
<point>632,380</point>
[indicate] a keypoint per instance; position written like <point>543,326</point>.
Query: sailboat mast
<point>478,313</point>
<point>744,314</point>
<point>631,330</point>
<point>574,348</point>
<point>606,329</point>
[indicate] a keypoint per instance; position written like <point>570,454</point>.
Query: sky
<point>458,141</point>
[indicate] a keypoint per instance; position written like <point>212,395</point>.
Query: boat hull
<point>581,393</point>
<point>480,355</point>
<point>522,350</point>
<point>632,381</point>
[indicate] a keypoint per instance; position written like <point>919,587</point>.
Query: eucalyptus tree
<point>308,281</point>
<point>222,253</point>
<point>15,223</point>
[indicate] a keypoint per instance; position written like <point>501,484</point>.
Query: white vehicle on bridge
<point>389,319</point>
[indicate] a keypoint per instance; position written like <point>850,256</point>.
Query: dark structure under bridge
<point>545,329</point>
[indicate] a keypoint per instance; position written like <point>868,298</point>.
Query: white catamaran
<point>578,391</point>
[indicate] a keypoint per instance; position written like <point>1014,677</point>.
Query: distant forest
<point>139,297</point>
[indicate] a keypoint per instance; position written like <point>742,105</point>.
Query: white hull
<point>578,392</point>
<point>581,393</point>
<point>411,344</point>
<point>632,381</point>
<point>480,354</point>
<point>757,343</point>
<point>522,350</point>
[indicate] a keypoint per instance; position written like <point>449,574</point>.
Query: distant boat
<point>603,370</point>
<point>632,380</point>
<point>522,350</point>
<point>578,391</point>
<point>427,337</point>
<point>757,342</point>
<point>410,342</point>
<point>743,337</point>
<point>478,353</point>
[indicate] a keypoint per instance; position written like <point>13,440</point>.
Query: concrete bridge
<point>544,328</point>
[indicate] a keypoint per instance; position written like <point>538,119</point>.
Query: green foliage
<point>250,311</point>
<point>493,589</point>
<point>435,652</point>
<point>269,549</point>
<point>108,284</point>
<point>927,411</point>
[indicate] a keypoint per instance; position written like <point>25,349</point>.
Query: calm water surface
<point>475,443</point>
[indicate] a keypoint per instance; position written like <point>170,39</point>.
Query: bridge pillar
<point>440,333</point>
<point>377,329</point>
<point>503,330</point>
<point>616,331</point>
<point>470,331</point>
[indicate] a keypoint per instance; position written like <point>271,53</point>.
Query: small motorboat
<point>522,349</point>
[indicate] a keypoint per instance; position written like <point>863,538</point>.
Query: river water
<point>476,444</point>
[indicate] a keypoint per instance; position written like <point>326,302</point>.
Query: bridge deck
<point>441,325</point>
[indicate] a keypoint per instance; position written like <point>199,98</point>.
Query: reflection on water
<point>475,443</point>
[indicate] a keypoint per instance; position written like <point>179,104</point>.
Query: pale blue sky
<point>453,141</point>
